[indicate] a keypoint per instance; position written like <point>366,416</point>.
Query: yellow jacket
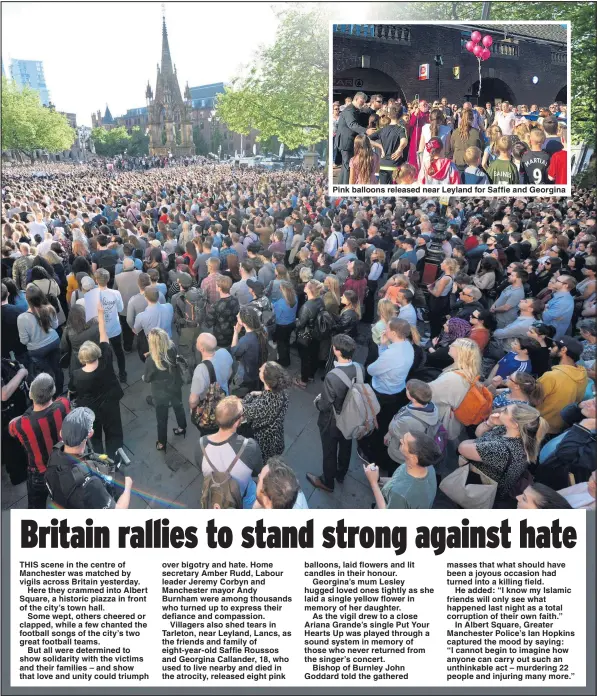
<point>562,385</point>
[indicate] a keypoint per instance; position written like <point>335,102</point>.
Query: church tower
<point>170,129</point>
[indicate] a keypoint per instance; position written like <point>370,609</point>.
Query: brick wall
<point>401,62</point>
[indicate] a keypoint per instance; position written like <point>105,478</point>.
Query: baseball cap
<point>256,286</point>
<point>573,347</point>
<point>77,426</point>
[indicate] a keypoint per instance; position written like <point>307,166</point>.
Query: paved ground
<point>173,480</point>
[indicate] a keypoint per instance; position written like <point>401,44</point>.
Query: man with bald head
<point>127,283</point>
<point>215,366</point>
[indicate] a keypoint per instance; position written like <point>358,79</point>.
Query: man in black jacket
<point>349,126</point>
<point>336,448</point>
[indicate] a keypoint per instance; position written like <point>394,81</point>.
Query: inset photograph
<point>450,104</point>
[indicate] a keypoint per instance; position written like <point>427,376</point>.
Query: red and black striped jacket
<point>39,431</point>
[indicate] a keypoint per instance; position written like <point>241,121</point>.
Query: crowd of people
<point>454,344</point>
<point>388,142</point>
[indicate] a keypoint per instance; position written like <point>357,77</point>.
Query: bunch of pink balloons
<point>479,45</point>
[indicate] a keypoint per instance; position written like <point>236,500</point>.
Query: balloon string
<point>480,79</point>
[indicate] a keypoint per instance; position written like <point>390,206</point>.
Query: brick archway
<point>562,95</point>
<point>368,80</point>
<point>492,88</point>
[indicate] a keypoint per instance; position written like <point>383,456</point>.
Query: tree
<point>27,125</point>
<point>109,143</point>
<point>216,137</point>
<point>285,90</point>
<point>139,143</point>
<point>200,142</point>
<point>580,14</point>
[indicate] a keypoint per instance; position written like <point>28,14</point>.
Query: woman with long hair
<point>332,295</point>
<point>350,315</point>
<point>494,133</point>
<point>285,308</point>
<point>365,161</point>
<point>76,332</point>
<point>436,128</point>
<point>386,310</point>
<point>233,270</point>
<point>308,344</point>
<point>249,351</point>
<point>163,373</point>
<point>518,388</point>
<point>439,295</point>
<point>453,384</point>
<point>37,332</point>
<point>356,281</point>
<point>264,411</point>
<point>156,263</point>
<point>464,137</point>
<point>48,285</point>
<point>96,386</point>
<point>438,351</point>
<point>79,250</point>
<point>16,297</point>
<point>190,256</point>
<point>274,288</point>
<point>507,442</point>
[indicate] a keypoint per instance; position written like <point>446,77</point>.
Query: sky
<point>103,53</point>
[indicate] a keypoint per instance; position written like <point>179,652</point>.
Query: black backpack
<point>323,325</point>
<point>191,308</point>
<point>65,480</point>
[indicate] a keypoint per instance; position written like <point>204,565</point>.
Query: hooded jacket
<point>441,171</point>
<point>562,385</point>
<point>410,420</point>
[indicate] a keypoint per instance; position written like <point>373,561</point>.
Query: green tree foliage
<point>109,143</point>
<point>285,90</point>
<point>139,143</point>
<point>580,14</point>
<point>27,125</point>
<point>200,142</point>
<point>216,138</point>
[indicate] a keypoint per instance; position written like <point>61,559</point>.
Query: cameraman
<point>74,483</point>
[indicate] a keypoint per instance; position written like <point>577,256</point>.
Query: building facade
<point>209,134</point>
<point>30,73</point>
<point>527,64</point>
<point>169,115</point>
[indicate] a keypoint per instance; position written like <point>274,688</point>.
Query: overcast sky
<point>95,53</point>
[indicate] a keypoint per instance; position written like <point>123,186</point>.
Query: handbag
<point>304,336</point>
<point>471,496</point>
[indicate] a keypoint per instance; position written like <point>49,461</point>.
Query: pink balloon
<point>487,41</point>
<point>469,46</point>
<point>478,50</point>
<point>476,36</point>
<point>485,54</point>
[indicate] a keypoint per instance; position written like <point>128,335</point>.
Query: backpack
<point>322,327</point>
<point>66,480</point>
<point>439,436</point>
<point>476,405</point>
<point>204,415</point>
<point>360,408</point>
<point>191,308</point>
<point>219,487</point>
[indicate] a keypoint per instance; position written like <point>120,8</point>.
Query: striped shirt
<point>39,431</point>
